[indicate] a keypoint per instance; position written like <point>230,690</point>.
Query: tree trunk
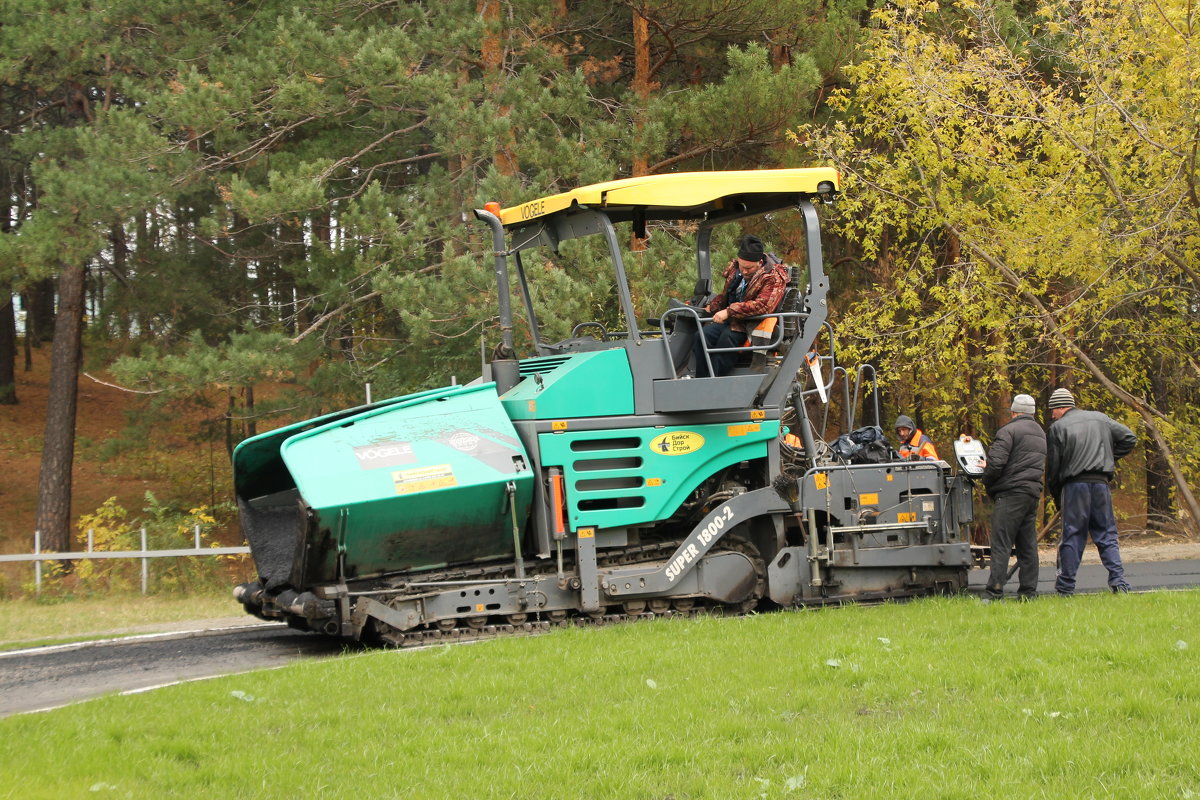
<point>641,87</point>
<point>641,90</point>
<point>8,331</point>
<point>491,53</point>
<point>8,347</point>
<point>251,423</point>
<point>58,448</point>
<point>27,339</point>
<point>39,311</point>
<point>230,411</point>
<point>1159,508</point>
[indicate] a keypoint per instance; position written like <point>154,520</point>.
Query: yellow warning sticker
<point>906,516</point>
<point>533,406</point>
<point>558,425</point>
<point>676,443</point>
<point>869,499</point>
<point>758,413</point>
<point>742,430</point>
<point>821,480</point>
<point>586,533</point>
<point>654,481</point>
<point>480,607</point>
<point>424,479</point>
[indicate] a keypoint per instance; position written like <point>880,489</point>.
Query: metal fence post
<point>37,565</point>
<point>197,529</point>
<point>145,563</point>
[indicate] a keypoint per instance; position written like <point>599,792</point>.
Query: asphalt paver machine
<point>593,478</point>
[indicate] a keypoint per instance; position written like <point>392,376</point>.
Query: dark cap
<point>751,248</point>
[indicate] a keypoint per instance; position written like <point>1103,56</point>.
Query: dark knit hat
<point>751,248</point>
<point>1062,398</point>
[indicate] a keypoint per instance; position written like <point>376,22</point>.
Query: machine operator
<point>752,288</point>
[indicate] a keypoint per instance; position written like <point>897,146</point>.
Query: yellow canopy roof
<point>681,190</point>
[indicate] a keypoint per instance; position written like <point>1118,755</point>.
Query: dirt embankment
<point>1133,551</point>
<point>171,466</point>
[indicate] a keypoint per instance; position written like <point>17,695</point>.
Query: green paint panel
<point>639,475</point>
<point>257,467</point>
<point>416,484</point>
<point>596,384</point>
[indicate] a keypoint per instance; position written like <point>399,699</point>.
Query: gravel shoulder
<point>1131,552</point>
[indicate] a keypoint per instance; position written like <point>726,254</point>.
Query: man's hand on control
<point>721,315</point>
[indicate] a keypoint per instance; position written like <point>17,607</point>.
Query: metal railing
<point>38,555</point>
<point>750,346</point>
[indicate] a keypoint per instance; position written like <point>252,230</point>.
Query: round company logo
<point>464,441</point>
<point>676,443</point>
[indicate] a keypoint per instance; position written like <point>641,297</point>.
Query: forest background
<point>243,213</point>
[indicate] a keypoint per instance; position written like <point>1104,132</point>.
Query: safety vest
<point>919,446</point>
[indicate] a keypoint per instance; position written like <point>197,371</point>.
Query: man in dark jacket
<point>752,288</point>
<point>1083,448</point>
<point>1013,477</point>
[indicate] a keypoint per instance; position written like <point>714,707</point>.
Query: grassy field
<point>29,623</point>
<point>1098,696</point>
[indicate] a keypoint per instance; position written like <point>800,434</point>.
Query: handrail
<point>858,381</point>
<point>831,359</point>
<point>776,335</point>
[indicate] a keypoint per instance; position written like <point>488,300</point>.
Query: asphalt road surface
<point>1094,577</point>
<point>49,677</point>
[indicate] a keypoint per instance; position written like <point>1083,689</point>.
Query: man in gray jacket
<point>1083,449</point>
<point>1013,477</point>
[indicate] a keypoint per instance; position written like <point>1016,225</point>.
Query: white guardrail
<point>38,556</point>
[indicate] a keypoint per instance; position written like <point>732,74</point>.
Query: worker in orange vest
<point>914,443</point>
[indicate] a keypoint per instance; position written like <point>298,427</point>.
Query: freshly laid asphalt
<point>49,677</point>
<point>1094,577</point>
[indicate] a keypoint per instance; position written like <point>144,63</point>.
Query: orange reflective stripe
<point>556,502</point>
<point>921,449</point>
<point>763,330</point>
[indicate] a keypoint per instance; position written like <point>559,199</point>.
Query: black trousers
<point>717,335</point>
<point>1014,522</point>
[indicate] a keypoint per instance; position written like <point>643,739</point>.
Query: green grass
<point>29,623</point>
<point>1098,696</point>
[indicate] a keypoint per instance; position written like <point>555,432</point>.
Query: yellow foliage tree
<point>1028,195</point>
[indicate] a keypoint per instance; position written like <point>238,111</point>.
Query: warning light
<point>492,207</point>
